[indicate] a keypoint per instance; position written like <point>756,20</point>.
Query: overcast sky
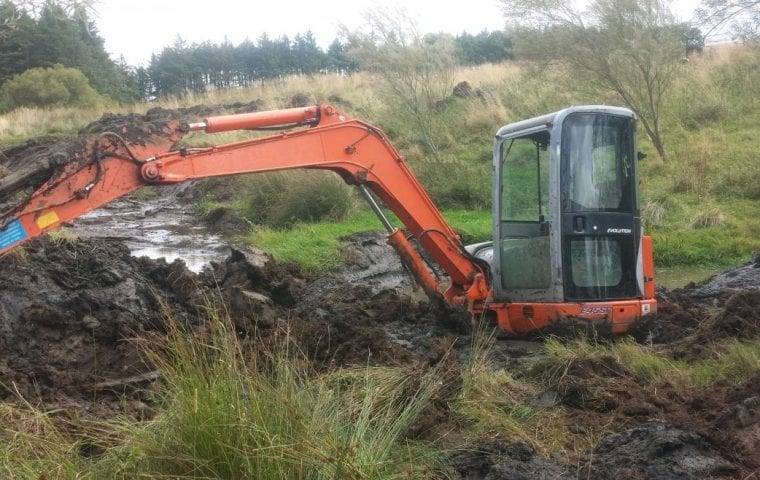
<point>137,28</point>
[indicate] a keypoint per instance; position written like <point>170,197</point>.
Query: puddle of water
<point>194,259</point>
<point>159,229</point>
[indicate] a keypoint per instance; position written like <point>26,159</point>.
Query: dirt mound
<point>739,318</point>
<point>66,312</point>
<point>39,160</point>
<point>719,288</point>
<point>689,326</point>
<point>690,329</point>
<point>599,394</point>
<point>690,315</point>
<point>501,460</point>
<point>656,451</point>
<point>69,308</point>
<point>136,128</point>
<point>678,315</point>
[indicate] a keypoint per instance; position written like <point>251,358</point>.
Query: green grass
<point>718,247</point>
<point>733,362</point>
<point>728,361</point>
<point>316,245</point>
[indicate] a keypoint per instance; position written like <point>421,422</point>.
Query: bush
<point>48,87</point>
<point>456,184</point>
<point>281,199</point>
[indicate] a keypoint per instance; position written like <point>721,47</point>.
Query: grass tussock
<point>652,213</point>
<point>232,414</point>
<point>708,218</point>
<point>494,402</point>
<point>34,447</point>
<point>227,411</point>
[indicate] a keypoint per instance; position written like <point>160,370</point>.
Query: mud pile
<point>657,451</point>
<point>500,460</point>
<point>719,288</point>
<point>25,167</point>
<point>68,310</point>
<point>725,305</point>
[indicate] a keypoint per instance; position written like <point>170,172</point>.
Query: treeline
<point>181,67</point>
<point>54,33</point>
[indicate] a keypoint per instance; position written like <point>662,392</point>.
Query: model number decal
<point>596,310</point>
<point>618,230</point>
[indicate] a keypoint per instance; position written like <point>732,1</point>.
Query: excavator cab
<point>566,219</point>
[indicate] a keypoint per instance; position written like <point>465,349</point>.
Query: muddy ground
<point>70,309</point>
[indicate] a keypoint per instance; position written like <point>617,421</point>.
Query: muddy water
<point>161,227</point>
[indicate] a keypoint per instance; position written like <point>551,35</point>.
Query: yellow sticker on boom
<point>47,219</point>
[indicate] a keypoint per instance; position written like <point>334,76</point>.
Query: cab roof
<point>538,127</point>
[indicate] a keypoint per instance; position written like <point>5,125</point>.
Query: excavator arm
<point>107,168</point>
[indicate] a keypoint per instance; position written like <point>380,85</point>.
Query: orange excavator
<point>567,247</point>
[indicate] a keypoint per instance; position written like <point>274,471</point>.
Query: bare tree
<point>627,46</point>
<point>13,10</point>
<point>71,7</point>
<point>741,17</point>
<point>416,71</point>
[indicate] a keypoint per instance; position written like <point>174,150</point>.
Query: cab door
<point>523,258</point>
<point>599,211</point>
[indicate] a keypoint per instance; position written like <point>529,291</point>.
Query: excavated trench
<point>69,309</point>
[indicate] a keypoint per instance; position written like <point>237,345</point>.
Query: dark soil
<point>678,315</point>
<point>721,422</point>
<point>657,451</point>
<point>69,310</point>
<point>37,161</point>
<point>501,460</point>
